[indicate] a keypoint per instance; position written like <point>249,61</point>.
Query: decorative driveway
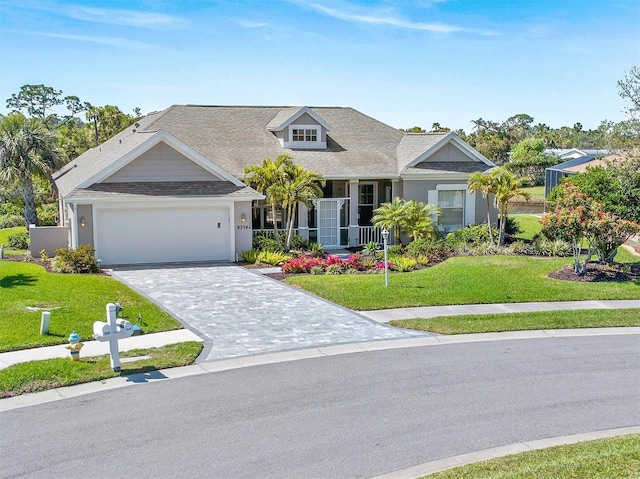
<point>244,313</point>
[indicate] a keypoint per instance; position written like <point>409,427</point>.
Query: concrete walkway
<point>240,312</point>
<point>386,315</point>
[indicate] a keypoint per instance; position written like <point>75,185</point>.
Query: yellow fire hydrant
<point>74,346</point>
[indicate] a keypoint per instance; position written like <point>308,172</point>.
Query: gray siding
<point>85,233</point>
<point>161,163</point>
<point>450,152</point>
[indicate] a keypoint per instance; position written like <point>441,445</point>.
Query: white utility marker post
<point>385,238</point>
<point>111,331</point>
<point>44,322</point>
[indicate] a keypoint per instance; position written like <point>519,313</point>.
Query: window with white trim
<point>304,134</point>
<point>451,204</point>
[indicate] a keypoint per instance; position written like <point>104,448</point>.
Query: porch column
<point>395,192</point>
<point>303,221</point>
<point>354,230</point>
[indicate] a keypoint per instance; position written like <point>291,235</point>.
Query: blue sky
<point>404,63</point>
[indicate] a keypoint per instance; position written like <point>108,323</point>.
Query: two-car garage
<point>162,234</point>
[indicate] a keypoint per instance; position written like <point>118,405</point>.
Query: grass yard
<point>612,458</point>
<point>54,373</point>
<point>75,301</point>
<point>465,280</point>
<point>536,192</point>
<point>485,323</point>
<point>529,224</point>
<point>4,240</point>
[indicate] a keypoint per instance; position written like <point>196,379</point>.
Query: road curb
<point>32,399</point>
<point>493,453</point>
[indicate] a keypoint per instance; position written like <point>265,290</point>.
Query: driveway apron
<point>244,313</point>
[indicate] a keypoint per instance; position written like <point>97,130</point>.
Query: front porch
<point>336,220</point>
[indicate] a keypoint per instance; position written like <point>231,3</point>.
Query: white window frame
<point>469,207</point>
<point>318,144</point>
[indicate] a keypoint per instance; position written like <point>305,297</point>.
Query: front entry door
<point>328,210</point>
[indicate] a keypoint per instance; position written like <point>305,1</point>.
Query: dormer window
<point>300,128</point>
<point>305,136</point>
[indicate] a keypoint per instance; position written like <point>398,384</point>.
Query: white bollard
<point>44,322</point>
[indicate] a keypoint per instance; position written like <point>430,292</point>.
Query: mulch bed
<point>599,273</point>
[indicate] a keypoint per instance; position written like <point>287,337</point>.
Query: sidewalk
<point>97,348</point>
<point>386,315</point>
<point>154,340</point>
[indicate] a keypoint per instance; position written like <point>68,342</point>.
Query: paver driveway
<point>245,313</point>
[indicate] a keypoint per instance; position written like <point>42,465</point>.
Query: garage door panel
<point>155,235</point>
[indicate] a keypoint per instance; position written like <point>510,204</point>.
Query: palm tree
<point>482,182</point>
<point>507,187</point>
<point>26,150</point>
<point>268,178</point>
<point>418,220</point>
<point>300,186</point>
<point>389,216</point>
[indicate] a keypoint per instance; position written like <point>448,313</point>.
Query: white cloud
<point>123,43</point>
<point>250,24</point>
<point>114,16</point>
<point>383,16</point>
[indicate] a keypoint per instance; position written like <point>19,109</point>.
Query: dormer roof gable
<point>287,116</point>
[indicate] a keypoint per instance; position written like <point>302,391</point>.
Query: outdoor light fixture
<point>243,217</point>
<point>83,223</point>
<point>385,238</point>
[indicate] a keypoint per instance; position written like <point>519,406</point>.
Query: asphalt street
<point>357,415</point>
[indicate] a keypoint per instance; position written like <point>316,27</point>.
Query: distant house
<point>170,187</point>
<point>554,174</point>
<point>572,153</point>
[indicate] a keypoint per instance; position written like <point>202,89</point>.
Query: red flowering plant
<point>579,219</point>
<point>303,264</point>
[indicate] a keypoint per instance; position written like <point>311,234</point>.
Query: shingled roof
<point>233,137</point>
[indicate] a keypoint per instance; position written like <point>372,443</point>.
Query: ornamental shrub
<point>11,221</point>
<point>303,264</point>
<point>250,256</point>
<point>403,264</point>
<point>434,249</point>
<point>79,260</point>
<point>18,240</point>
<point>264,243</point>
<point>273,258</point>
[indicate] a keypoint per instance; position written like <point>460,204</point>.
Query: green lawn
<point>464,280</point>
<point>529,224</point>
<point>484,323</point>
<point>612,458</point>
<point>75,302</point>
<point>36,376</point>
<point>536,192</point>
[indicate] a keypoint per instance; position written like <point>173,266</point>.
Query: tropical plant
<point>482,182</point>
<point>390,216</point>
<point>284,185</point>
<point>506,188</point>
<point>267,178</point>
<point>418,220</point>
<point>402,264</point>
<point>299,186</point>
<point>250,256</point>
<point>26,151</point>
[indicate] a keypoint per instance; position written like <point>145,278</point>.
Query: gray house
<point>170,187</point>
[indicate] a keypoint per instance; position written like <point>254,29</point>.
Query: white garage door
<point>154,235</point>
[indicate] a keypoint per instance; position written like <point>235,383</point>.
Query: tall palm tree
<point>300,186</point>
<point>268,178</point>
<point>483,182</point>
<point>507,187</point>
<point>26,150</point>
<point>389,216</point>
